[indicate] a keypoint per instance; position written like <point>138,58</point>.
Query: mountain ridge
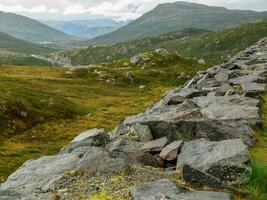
<point>179,15</point>
<point>30,30</point>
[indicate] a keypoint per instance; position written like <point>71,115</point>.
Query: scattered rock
<point>162,188</point>
<point>155,145</point>
<point>170,152</point>
<point>93,137</point>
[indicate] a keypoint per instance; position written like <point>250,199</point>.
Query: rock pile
<point>203,130</point>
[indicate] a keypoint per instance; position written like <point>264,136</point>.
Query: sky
<point>114,9</point>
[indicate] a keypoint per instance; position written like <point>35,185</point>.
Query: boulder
<point>151,191</point>
<point>248,79</point>
<point>99,160</point>
<point>139,59</point>
<point>81,143</point>
<point>142,132</point>
<point>253,87</point>
<point>170,152</point>
<point>226,161</point>
<point>222,76</point>
<point>165,189</point>
<point>34,175</point>
<point>155,145</point>
<point>203,195</point>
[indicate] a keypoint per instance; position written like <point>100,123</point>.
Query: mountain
<point>86,28</point>
<point>11,44</point>
<point>179,15</point>
<point>30,30</point>
<point>213,47</point>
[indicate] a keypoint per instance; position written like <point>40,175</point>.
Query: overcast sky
<point>115,9</point>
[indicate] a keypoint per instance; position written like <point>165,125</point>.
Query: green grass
<point>9,43</point>
<point>258,183</point>
<point>57,105</point>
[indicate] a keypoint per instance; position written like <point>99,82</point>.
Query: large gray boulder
<point>99,160</point>
<point>81,143</point>
<point>226,160</point>
<point>30,180</point>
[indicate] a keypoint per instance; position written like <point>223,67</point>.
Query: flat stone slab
<point>253,87</point>
<point>166,189</point>
<point>170,152</point>
<point>155,145</point>
<point>151,191</point>
<point>247,79</point>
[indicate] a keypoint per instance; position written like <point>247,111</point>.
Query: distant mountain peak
<point>179,15</point>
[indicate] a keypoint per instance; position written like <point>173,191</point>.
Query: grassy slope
<point>258,183</point>
<point>98,54</point>
<point>56,106</point>
<point>29,29</point>
<point>214,47</point>
<point>9,43</point>
<point>177,16</point>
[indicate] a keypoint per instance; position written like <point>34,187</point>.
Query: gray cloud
<point>117,9</point>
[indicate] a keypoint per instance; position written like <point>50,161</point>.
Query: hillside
<point>204,140</point>
<point>11,44</point>
<point>86,28</point>
<point>98,54</point>
<point>30,30</point>
<point>213,47</point>
<point>179,15</point>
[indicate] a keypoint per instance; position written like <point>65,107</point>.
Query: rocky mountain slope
<point>30,30</point>
<point>193,144</point>
<point>177,16</point>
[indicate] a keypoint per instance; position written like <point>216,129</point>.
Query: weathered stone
<point>142,132</point>
<point>145,159</point>
<point>151,191</point>
<point>36,174</point>
<point>174,100</point>
<point>93,137</point>
<point>222,76</point>
<point>170,152</point>
<point>155,145</point>
<point>253,87</point>
<point>165,189</point>
<point>226,160</point>
<point>247,79</point>
<point>124,145</point>
<point>99,160</point>
<point>139,59</point>
<point>203,195</point>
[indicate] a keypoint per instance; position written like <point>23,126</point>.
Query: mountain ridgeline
<point>30,30</point>
<point>171,17</point>
<point>86,28</point>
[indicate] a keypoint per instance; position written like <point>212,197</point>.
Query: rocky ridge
<point>197,136</point>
